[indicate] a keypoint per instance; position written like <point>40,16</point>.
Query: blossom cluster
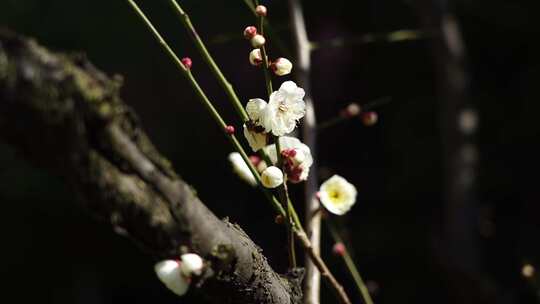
<point>274,119</point>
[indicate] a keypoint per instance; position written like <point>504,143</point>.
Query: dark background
<point>53,252</point>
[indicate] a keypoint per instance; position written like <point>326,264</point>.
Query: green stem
<point>290,224</point>
<point>266,66</point>
<point>364,292</point>
<point>225,84</point>
<point>207,104</point>
<point>233,97</point>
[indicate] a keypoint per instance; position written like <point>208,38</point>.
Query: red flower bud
<point>250,32</point>
<point>339,249</point>
<point>229,130</point>
<point>255,160</point>
<point>186,61</point>
<point>279,219</point>
<point>369,118</point>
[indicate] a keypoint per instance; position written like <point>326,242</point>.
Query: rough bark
<point>64,115</point>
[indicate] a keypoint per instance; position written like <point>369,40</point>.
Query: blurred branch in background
<point>391,37</point>
<point>302,71</point>
<point>458,248</point>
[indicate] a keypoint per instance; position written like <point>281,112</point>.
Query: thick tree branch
<point>63,114</point>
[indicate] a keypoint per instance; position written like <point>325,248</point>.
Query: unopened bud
<point>170,273</point>
<point>369,118</point>
<point>351,110</point>
<point>186,61</point>
<point>261,10</point>
<point>191,264</point>
<point>255,57</point>
<point>272,177</point>
<point>229,130</point>
<point>254,159</point>
<point>258,41</point>
<point>281,66</point>
<point>279,219</point>
<point>250,32</point>
<point>339,249</point>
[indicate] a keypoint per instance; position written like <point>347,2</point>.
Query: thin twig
<point>362,288</point>
<point>233,97</point>
<point>390,37</point>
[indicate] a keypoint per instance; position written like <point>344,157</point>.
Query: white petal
<point>192,264</point>
<point>288,87</point>
<point>255,107</point>
<point>169,273</point>
<point>241,168</point>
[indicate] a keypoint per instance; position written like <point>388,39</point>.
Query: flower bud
<point>351,110</point>
<point>339,249</point>
<point>261,10</point>
<point>255,160</point>
<point>272,177</point>
<point>255,57</point>
<point>242,169</point>
<point>279,219</point>
<point>186,61</point>
<point>250,32</point>
<point>369,118</point>
<point>229,130</point>
<point>258,41</point>
<point>281,66</point>
<point>169,273</point>
<point>192,264</point>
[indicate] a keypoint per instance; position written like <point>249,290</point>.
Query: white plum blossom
<point>285,108</point>
<point>282,66</point>
<point>176,274</point>
<point>272,177</point>
<point>337,195</point>
<point>170,273</point>
<point>241,168</point>
<point>297,160</point>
